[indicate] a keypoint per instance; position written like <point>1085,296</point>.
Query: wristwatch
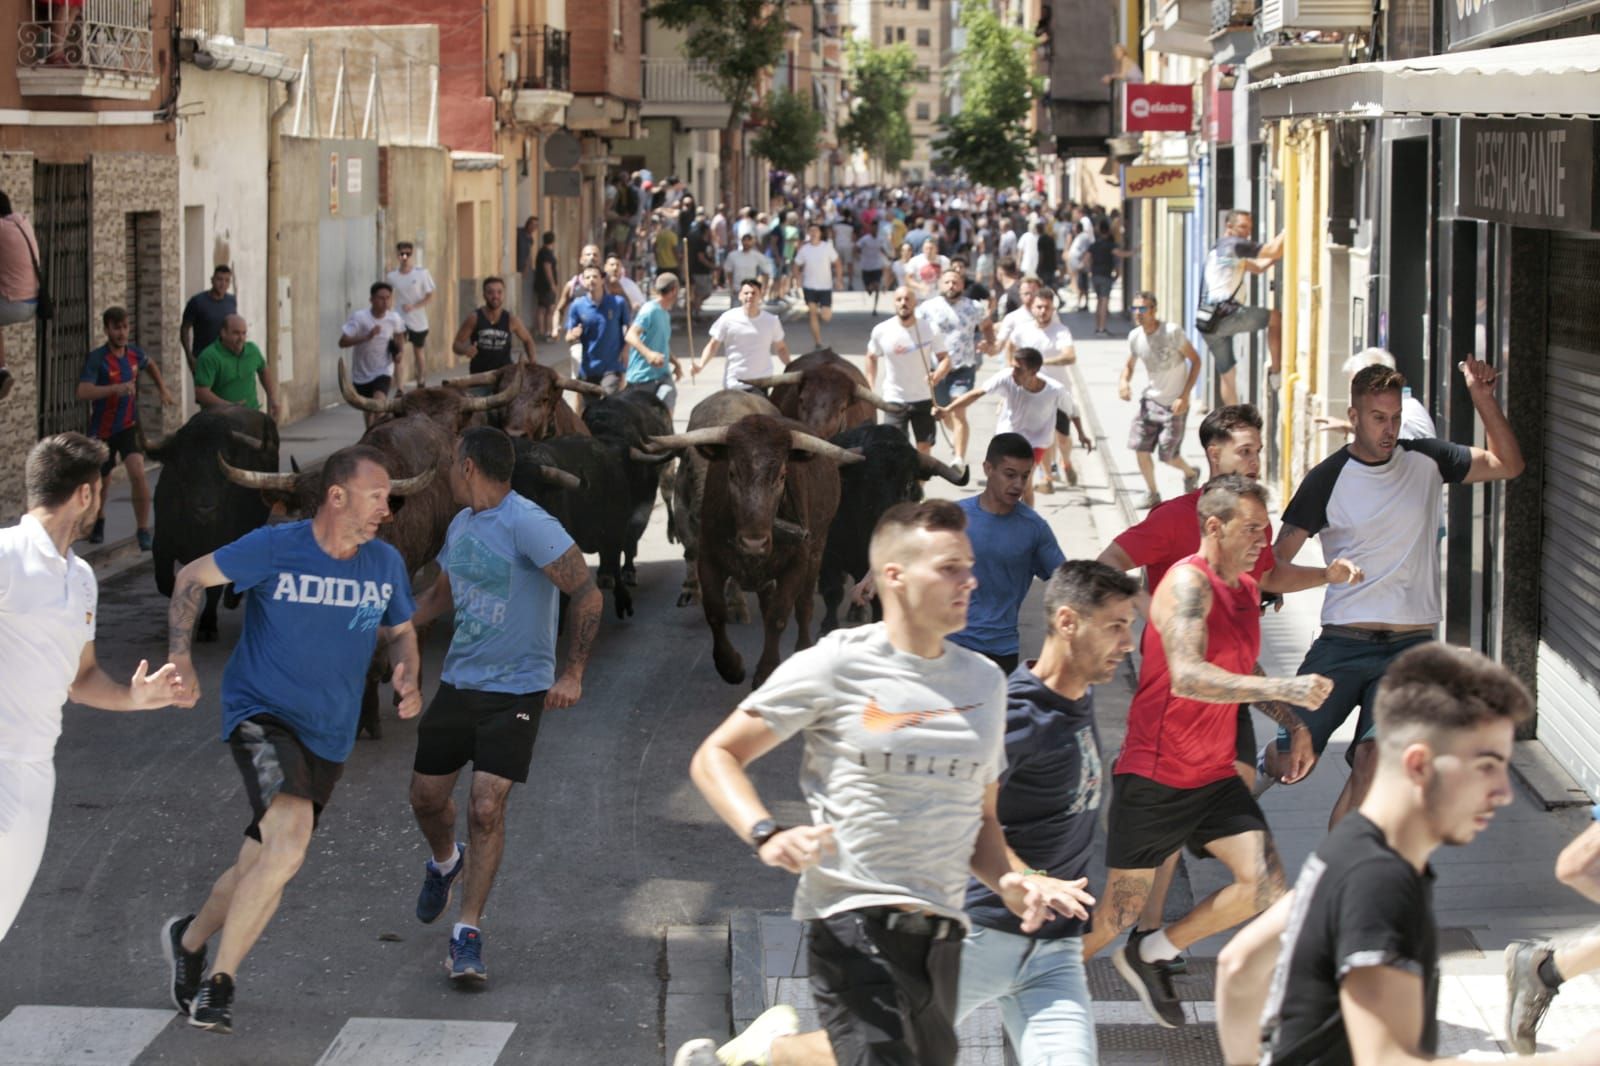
<point>763,831</point>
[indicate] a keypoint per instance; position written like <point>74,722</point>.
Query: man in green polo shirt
<point>226,371</point>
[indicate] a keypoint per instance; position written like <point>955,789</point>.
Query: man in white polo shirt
<point>748,336</point>
<point>914,360</point>
<point>48,599</point>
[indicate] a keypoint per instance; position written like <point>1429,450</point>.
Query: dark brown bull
<point>763,471</point>
<point>789,396</point>
<point>451,409</point>
<point>537,410</point>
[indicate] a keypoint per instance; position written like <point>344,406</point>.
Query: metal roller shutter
<point>1569,637</point>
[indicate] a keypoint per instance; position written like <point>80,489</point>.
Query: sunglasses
<point>1140,309</point>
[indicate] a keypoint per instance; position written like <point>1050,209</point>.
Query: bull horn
<point>782,527</point>
<point>649,457</point>
<point>489,403</point>
<point>360,402</point>
<point>928,466</point>
<point>557,476</point>
<point>247,440</point>
<point>692,439</point>
<point>408,486</point>
<point>805,442</point>
<point>588,388</point>
<point>772,381</point>
<point>260,480</point>
<point>487,377</point>
<point>159,443</point>
<point>866,395</point>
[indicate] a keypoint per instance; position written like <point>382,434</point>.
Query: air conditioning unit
<point>1290,15</point>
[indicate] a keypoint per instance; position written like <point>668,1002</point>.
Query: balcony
<point>1182,29</point>
<point>1233,30</point>
<point>102,49</point>
<point>674,88</point>
<point>540,76</point>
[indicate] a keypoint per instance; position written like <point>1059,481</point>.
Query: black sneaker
<point>97,535</point>
<point>1153,985</point>
<point>185,968</point>
<point>1173,966</point>
<point>213,1007</point>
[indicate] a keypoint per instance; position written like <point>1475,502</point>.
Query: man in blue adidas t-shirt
<point>504,565</point>
<point>322,593</point>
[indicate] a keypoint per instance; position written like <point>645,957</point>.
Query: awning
<point>1546,79</point>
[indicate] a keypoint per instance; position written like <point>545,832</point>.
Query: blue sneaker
<point>437,888</point>
<point>466,957</point>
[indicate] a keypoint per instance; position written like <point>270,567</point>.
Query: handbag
<point>1208,315</point>
<point>45,308</point>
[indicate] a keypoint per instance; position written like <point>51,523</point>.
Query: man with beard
<point>914,363</point>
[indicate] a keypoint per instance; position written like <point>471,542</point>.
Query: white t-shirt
<point>631,290</point>
<point>743,226</point>
<point>898,752</point>
<point>816,264</point>
<point>922,274</point>
<point>1050,341</point>
<point>1032,414</point>
<point>1162,356</point>
<point>1028,253</point>
<point>747,344</point>
<point>47,614</point>
<point>899,269</point>
<point>410,286</point>
<point>869,252</point>
<point>908,355</point>
<point>742,264</point>
<point>370,359</point>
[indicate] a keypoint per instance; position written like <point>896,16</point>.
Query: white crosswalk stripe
<point>78,1036</point>
<point>416,1042</point>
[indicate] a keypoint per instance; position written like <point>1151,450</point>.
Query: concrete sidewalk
<point>1501,887</point>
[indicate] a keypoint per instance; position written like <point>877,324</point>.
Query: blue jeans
<point>1041,989</point>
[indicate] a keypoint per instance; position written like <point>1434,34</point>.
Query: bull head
<point>396,404</point>
<point>713,439</point>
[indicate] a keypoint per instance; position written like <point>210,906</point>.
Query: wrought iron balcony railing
<point>544,58</point>
<point>104,37</point>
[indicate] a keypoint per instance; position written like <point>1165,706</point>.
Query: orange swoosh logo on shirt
<point>877,720</point>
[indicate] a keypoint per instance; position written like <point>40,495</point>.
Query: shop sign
<point>1527,172</point>
<point>1153,108</point>
<point>1156,180</point>
<point>1474,22</point>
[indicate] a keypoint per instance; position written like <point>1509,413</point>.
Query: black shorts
<point>1150,821</point>
<point>871,279</point>
<point>1063,424</point>
<point>884,997</point>
<point>383,383</point>
<point>417,337</point>
<point>919,413</point>
<point>272,761</point>
<point>1244,748</point>
<point>122,443</point>
<point>820,297</point>
<point>494,731</point>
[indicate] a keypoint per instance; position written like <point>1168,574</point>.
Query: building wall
<point>302,199</point>
<point>19,412</point>
<point>901,25</point>
<point>418,210</point>
<point>605,48</point>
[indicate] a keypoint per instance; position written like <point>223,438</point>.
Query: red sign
<point>1152,107</point>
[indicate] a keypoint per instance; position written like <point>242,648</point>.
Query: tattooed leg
<point>1119,906</point>
<point>1258,881</point>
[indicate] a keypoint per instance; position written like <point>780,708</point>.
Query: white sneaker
<point>753,1047</point>
<point>700,1052</point>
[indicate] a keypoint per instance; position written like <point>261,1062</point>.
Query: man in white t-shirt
<point>375,333</point>
<point>1028,250</point>
<point>871,258</point>
<point>959,319</point>
<point>1172,365</point>
<point>745,262</point>
<point>48,600</point>
<point>884,909</point>
<point>816,264</point>
<point>749,336</point>
<point>915,359</point>
<point>1044,331</point>
<point>1030,404</point>
<point>922,272</point>
<point>413,290</point>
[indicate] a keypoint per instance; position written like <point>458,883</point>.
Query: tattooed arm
<point>571,575</point>
<point>188,593</point>
<point>1179,615</point>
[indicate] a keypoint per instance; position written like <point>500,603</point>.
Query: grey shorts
<point>1102,285</point>
<point>1156,429</point>
<point>1220,340</point>
<point>955,384</point>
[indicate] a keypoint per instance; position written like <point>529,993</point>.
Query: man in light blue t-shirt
<point>504,566</point>
<point>650,337</point>
<point>1012,545</point>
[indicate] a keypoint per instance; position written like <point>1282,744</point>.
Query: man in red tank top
<point>1175,782</point>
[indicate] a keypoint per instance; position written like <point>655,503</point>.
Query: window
<point>924,38</point>
<point>923,5</point>
<point>900,33</point>
<point>888,35</point>
<point>922,111</point>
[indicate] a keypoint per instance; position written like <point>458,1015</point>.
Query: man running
<point>915,361</point>
<point>650,359</point>
<point>958,319</point>
<point>1536,970</point>
<point>1044,332</point>
<point>750,337</point>
<point>322,593</point>
<point>1376,501</point>
<point>872,258</point>
<point>374,332</point>
<point>413,292</point>
<point>1174,783</point>
<point>745,263</point>
<point>1049,802</point>
<point>48,602</point>
<point>1172,365</point>
<point>505,565</point>
<point>485,334</point>
<point>884,909</point>
<point>598,320</point>
<point>1346,968</point>
<point>816,265</point>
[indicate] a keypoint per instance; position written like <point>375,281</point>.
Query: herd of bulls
<point>774,494</point>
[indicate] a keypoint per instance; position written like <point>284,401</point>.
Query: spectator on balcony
<point>19,278</point>
<point>204,314</point>
<point>63,14</point>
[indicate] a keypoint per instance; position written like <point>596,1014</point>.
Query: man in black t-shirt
<point>1050,794</point>
<point>1345,969</point>
<point>205,313</point>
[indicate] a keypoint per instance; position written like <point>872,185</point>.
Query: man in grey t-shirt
<point>904,737</point>
<point>1172,365</point>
